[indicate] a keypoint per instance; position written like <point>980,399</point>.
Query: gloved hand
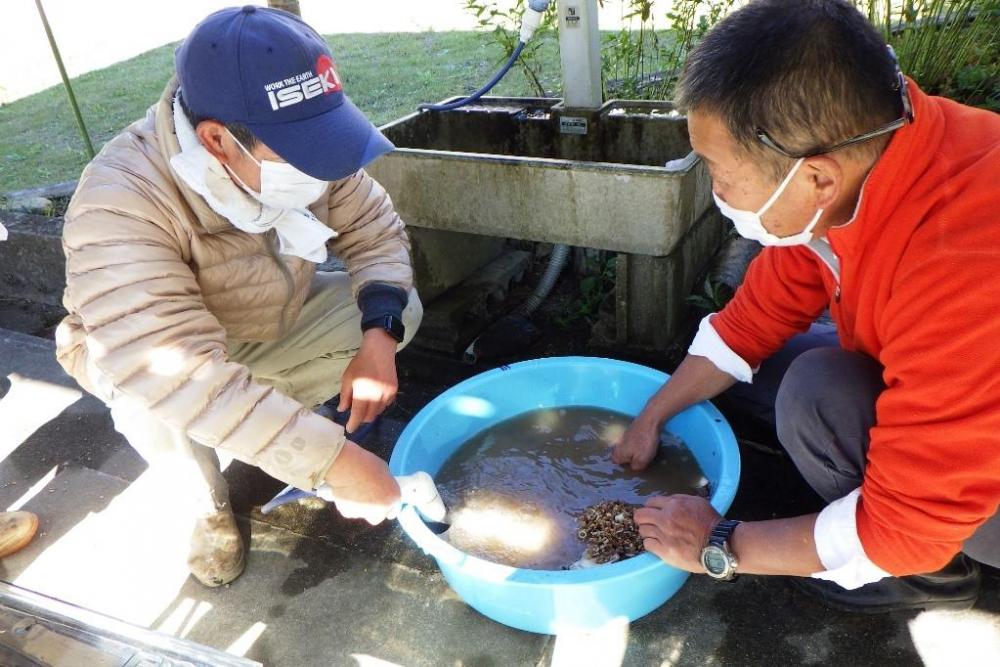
<point>377,502</point>
<point>360,485</point>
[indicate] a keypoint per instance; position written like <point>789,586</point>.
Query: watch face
<point>715,561</point>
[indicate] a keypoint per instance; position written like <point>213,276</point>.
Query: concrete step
<point>458,315</point>
<point>30,317</point>
<point>32,264</point>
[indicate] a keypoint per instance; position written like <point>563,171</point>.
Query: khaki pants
<point>306,365</point>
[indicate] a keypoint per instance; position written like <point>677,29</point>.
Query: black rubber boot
<point>956,586</point>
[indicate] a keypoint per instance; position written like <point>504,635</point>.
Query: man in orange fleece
<point>880,203</point>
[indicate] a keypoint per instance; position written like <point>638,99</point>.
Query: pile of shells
<point>610,531</point>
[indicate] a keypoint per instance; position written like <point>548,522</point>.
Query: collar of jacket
<point>905,171</point>
<point>166,137</point>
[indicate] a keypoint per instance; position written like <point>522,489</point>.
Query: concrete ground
<point>319,590</point>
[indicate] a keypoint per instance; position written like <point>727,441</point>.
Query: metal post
<point>580,52</point>
<point>65,80</point>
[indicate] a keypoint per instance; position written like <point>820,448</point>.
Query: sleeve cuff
<point>379,299</point>
<point>709,344</point>
<point>839,546</point>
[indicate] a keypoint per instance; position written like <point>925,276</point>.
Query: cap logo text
<point>304,86</point>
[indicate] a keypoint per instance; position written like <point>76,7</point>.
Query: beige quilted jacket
<point>153,274</point>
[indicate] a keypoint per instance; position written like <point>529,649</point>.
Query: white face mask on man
<point>750,226</point>
<point>281,185</point>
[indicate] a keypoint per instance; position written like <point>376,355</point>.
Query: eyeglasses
<point>906,118</point>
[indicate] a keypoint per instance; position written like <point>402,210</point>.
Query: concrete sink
<point>528,169</point>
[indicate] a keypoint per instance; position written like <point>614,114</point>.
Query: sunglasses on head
<point>906,118</point>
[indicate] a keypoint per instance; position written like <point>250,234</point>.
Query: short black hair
<point>810,73</point>
<point>239,130</point>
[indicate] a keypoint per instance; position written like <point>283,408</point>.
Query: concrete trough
<point>523,168</point>
<point>621,178</point>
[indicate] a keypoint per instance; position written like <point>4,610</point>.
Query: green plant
<point>644,63</point>
<point>713,297</point>
<point>950,47</point>
<point>639,61</point>
<point>689,21</point>
<point>978,85</point>
<point>594,287</point>
<point>504,21</point>
<point>630,56</point>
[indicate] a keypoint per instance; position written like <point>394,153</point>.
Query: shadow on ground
<point>319,589</point>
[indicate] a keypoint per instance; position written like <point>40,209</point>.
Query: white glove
<point>417,489</point>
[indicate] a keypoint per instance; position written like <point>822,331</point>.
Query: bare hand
<point>676,528</point>
<point>362,486</point>
<point>369,384</point>
<point>638,447</point>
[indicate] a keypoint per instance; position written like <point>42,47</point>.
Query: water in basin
<point>516,489</point>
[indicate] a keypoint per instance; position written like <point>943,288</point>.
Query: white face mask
<point>282,185</point>
<point>750,226</point>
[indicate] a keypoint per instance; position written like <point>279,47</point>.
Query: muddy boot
<point>216,556</point>
<point>16,530</point>
<point>956,586</point>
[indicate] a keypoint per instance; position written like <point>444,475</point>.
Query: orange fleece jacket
<point>920,292</point>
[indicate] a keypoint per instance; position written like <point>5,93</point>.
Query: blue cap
<point>268,70</point>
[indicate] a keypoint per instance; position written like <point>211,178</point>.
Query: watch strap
<point>722,532</point>
<point>391,324</point>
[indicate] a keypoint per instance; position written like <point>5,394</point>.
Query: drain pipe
<point>515,331</point>
<point>557,261</point>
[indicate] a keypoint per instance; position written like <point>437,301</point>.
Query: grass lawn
<point>386,75</point>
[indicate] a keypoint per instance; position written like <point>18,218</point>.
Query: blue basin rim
<point>626,387</point>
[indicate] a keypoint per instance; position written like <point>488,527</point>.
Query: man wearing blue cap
<point>195,310</point>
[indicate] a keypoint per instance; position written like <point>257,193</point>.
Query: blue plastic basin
<point>544,601</point>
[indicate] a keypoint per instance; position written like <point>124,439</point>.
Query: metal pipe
<point>65,80</point>
<point>45,629</point>
<point>580,53</point>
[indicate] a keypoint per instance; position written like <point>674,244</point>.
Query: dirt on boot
<point>216,556</point>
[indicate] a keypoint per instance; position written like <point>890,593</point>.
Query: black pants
<point>821,400</point>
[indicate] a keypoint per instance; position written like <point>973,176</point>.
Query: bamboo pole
<point>65,80</point>
<point>287,5</point>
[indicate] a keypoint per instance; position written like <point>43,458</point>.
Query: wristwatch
<point>391,324</point>
<point>719,562</point>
